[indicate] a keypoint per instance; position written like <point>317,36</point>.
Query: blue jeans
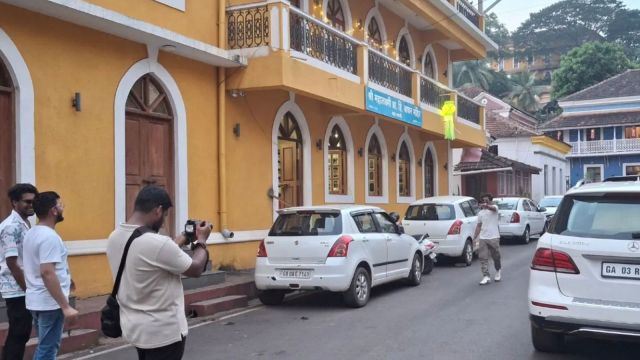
<point>49,326</point>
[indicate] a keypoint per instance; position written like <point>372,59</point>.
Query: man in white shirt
<point>12,284</point>
<point>489,234</point>
<point>47,275</point>
<point>151,298</point>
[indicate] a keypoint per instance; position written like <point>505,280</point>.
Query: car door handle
<point>365,240</point>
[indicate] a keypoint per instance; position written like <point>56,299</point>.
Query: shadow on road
<point>593,349</point>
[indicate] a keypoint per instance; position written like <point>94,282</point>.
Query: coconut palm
<point>525,94</point>
<point>472,73</point>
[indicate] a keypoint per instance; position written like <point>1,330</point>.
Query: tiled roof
<point>471,92</point>
<point>500,127</point>
<point>589,120</point>
<point>490,161</point>
<point>622,85</point>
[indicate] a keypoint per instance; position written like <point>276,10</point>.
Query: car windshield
<point>430,212</point>
<point>550,202</point>
<point>307,223</point>
<point>599,216</point>
<point>506,204</point>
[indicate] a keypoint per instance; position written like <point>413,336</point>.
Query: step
<point>207,278</point>
<point>246,288</point>
<point>213,306</point>
<point>3,308</point>
<point>78,340</point>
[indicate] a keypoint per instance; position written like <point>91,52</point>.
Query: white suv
<point>585,274</point>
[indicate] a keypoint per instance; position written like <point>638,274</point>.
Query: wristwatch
<point>198,244</point>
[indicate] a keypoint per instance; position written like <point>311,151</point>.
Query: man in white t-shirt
<point>47,276</point>
<point>152,313</point>
<point>489,234</point>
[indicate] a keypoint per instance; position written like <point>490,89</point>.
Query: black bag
<point>110,314</point>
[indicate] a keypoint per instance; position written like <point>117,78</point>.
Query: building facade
<point>236,108</point>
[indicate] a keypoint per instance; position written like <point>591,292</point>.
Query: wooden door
<point>149,144</point>
<point>289,163</point>
<point>7,140</point>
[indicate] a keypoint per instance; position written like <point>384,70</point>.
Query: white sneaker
<point>485,280</point>
<point>498,276</point>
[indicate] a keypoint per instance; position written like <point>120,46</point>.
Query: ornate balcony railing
<point>468,110</point>
<point>389,73</point>
<point>433,94</point>
<point>248,27</point>
<point>605,146</point>
<point>469,12</point>
<point>313,38</point>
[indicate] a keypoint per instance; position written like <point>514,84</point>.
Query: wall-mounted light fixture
<point>445,73</point>
<point>359,25</point>
<point>319,144</point>
<point>360,152</point>
<point>393,157</point>
<point>235,93</point>
<point>76,102</point>
<point>420,162</point>
<point>236,130</point>
<point>446,166</point>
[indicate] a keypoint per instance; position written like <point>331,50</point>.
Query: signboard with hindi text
<point>390,106</point>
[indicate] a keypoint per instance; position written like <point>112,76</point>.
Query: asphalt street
<point>449,316</point>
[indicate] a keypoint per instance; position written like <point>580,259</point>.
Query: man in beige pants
<point>489,234</point>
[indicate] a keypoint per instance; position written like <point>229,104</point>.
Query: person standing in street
<point>47,276</point>
<point>488,232</point>
<point>12,283</point>
<point>151,298</point>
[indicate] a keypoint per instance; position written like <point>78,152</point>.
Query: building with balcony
<point>541,65</point>
<point>602,125</point>
<point>237,108</point>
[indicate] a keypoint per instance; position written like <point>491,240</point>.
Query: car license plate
<point>294,274</point>
<point>621,271</point>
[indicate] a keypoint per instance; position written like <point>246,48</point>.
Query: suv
<point>585,274</point>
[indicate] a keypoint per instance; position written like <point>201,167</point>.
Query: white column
<point>615,140</point>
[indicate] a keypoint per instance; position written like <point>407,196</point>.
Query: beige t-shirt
<point>151,298</point>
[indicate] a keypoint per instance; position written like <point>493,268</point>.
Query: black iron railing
<point>468,110</point>
<point>433,94</point>
<point>321,42</point>
<point>389,73</point>
<point>469,12</point>
<point>249,27</point>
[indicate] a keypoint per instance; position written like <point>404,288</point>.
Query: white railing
<point>605,146</point>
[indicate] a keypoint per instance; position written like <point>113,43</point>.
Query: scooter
<point>429,248</point>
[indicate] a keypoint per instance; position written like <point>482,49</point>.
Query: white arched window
<point>339,162</point>
<point>405,49</point>
<point>405,170</point>
<point>375,30</point>
<point>337,13</point>
<point>376,167</point>
<point>429,63</point>
<point>430,170</point>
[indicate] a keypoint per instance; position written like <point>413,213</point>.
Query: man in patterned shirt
<point>12,283</point>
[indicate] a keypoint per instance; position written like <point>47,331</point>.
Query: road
<point>449,316</point>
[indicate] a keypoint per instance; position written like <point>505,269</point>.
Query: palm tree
<point>472,73</point>
<point>525,94</point>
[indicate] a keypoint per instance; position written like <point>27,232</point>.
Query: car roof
<point>607,186</point>
<point>511,198</point>
<point>337,207</point>
<point>442,199</point>
<point>553,197</point>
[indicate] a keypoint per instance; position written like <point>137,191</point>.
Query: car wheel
<point>415,274</point>
<point>526,237</point>
<point>360,289</point>
<point>271,297</point>
<point>467,253</point>
<point>546,341</point>
<point>428,265</point>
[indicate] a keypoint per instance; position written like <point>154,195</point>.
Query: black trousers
<point>20,323</point>
<point>169,352</point>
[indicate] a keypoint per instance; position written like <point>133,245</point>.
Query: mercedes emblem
<point>634,246</point>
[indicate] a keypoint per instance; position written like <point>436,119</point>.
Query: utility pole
<point>480,7</point>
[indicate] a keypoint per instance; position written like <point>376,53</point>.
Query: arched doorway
<point>429,175</point>
<point>289,162</point>
<point>337,162</point>
<point>374,167</point>
<point>7,138</point>
<point>149,143</point>
<point>404,171</point>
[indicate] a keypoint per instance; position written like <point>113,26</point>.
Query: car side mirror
<point>400,229</point>
<point>394,216</point>
<point>542,209</point>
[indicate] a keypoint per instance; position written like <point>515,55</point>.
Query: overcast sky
<point>514,12</point>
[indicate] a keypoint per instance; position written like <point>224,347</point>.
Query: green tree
<point>525,94</point>
<point>624,29</point>
<point>499,33</point>
<point>587,65</point>
<point>472,73</point>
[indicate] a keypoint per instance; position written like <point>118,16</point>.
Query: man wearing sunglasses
<point>12,283</point>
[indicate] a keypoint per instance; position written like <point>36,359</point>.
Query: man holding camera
<point>151,298</point>
<point>489,234</point>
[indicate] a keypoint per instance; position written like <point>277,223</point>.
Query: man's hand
<point>70,315</point>
<point>72,286</point>
<point>181,240</point>
<point>203,230</point>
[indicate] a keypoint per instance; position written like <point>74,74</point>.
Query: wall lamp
<point>319,144</point>
<point>359,25</point>
<point>446,166</point>
<point>236,130</point>
<point>420,162</point>
<point>235,93</point>
<point>393,157</point>
<point>76,102</point>
<point>360,152</point>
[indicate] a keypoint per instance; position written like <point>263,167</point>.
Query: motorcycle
<point>429,248</point>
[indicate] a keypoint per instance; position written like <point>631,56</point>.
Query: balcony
<point>390,73</point>
<point>468,109</point>
<point>432,93</point>
<point>248,27</point>
<point>601,147</point>
<point>469,12</point>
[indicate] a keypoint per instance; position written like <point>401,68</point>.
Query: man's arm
<point>16,272</point>
<point>198,263</point>
<point>51,282</point>
<point>477,232</point>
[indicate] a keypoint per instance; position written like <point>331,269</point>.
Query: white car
<point>550,203</point>
<point>450,222</point>
<point>520,218</point>
<point>342,248</point>
<point>585,275</point>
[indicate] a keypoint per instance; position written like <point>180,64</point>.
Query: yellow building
<point>236,108</point>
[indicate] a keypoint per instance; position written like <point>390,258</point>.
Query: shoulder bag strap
<point>136,233</point>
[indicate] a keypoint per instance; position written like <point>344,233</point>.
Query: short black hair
<point>486,195</point>
<point>150,197</point>
<point>44,202</point>
<point>16,191</point>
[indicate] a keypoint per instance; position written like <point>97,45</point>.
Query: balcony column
<point>579,139</point>
<point>415,85</point>
<point>363,63</point>
<point>283,26</point>
<point>615,140</point>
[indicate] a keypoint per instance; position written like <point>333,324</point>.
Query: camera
<point>190,230</point>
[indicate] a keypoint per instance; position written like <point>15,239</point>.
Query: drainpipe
<point>222,118</point>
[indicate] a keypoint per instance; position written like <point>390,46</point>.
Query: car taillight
<point>455,227</point>
<point>554,261</point>
<point>341,247</point>
<point>262,250</point>
<point>515,218</point>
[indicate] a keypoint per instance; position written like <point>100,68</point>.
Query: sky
<point>514,12</point>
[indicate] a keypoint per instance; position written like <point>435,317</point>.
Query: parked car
<point>585,274</point>
<point>550,203</point>
<point>520,218</point>
<point>347,249</point>
<point>450,222</point>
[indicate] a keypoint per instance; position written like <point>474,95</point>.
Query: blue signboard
<point>387,105</point>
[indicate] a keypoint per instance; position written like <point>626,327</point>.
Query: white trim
<point>286,41</point>
<point>139,69</point>
<point>468,123</point>
<point>296,55</point>
<point>429,50</point>
<point>344,127</point>
<point>412,52</point>
<point>348,24</point>
<point>307,182</point>
<point>406,199</point>
<point>427,107</point>
<point>436,188</point>
<point>23,108</point>
<point>275,28</point>
<point>396,95</point>
<point>384,199</point>
<point>472,172</point>
<point>624,167</point>
<point>449,69</point>
<point>176,4</point>
<point>451,12</point>
<point>374,12</point>
<point>605,101</point>
<point>585,166</point>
